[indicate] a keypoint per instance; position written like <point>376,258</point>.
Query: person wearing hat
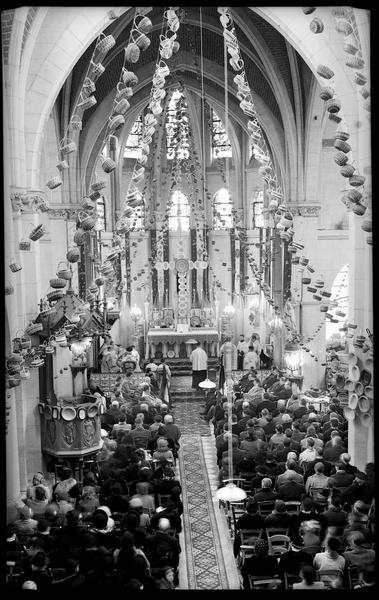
<point>279,517</point>
<point>260,564</point>
<point>291,562</point>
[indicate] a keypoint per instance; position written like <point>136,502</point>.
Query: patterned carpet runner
<point>207,561</point>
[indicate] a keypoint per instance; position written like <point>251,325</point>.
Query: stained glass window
<point>222,210</point>
<point>133,143</point>
<point>221,146</point>
<point>179,212</point>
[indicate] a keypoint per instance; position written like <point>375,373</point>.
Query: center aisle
<point>206,561</point>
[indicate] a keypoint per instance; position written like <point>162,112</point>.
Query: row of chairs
<point>329,576</point>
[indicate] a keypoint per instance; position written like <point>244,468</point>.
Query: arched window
<point>179,212</point>
<point>339,303</point>
<point>133,143</point>
<point>136,221</point>
<point>221,146</point>
<point>177,123</point>
<point>256,209</point>
<point>222,210</point>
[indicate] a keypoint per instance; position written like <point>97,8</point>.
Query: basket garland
<point>347,170</point>
<point>55,295</point>
<point>325,71</point>
<point>340,158</point>
<point>342,146</point>
<point>15,267</point>
<point>9,290</point>
<point>86,221</point>
<point>54,182</point>
<point>79,236</point>
<point>98,185</point>
<point>357,180</point>
<point>355,62</point>
<point>33,328</point>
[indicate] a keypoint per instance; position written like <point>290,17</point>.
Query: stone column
<point>313,372</point>
<point>11,437</point>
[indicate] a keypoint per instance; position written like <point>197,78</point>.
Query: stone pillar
<point>11,437</point>
<point>313,372</point>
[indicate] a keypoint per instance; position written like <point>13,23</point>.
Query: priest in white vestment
<point>199,360</point>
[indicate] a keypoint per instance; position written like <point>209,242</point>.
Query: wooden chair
<point>265,507</point>
<point>328,576</point>
<point>238,509</point>
<point>270,531</point>
<point>290,579</point>
<point>248,538</point>
<point>293,507</point>
<point>162,498</point>
<point>313,549</point>
<point>278,544</point>
<point>263,582</point>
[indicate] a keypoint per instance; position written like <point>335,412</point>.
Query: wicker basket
<point>33,328</point>
<point>342,146</point>
<point>132,53</point>
<point>58,283</point>
<point>122,226</point>
<point>76,123</point>
<point>47,312</point>
<point>307,10</point>
<point>24,245</point>
<point>129,78</point>
<point>123,91</point>
<point>121,106</point>
<point>354,195</point>
<point>339,12</point>
<point>367,225</point>
<point>333,105</point>
<point>369,240</point>
<point>347,170</point>
<point>350,48</point>
<point>108,165</point>
<point>88,87</point>
<point>96,71</point>
<point>98,185</point>
<point>344,27</point>
<point>340,158</point>
<point>67,146</point>
<point>144,25</point>
<point>326,93</point>
<point>95,195</point>
<point>325,72</point>
<point>79,237</point>
<point>359,209</point>
<point>37,232</point>
<point>63,271</point>
<point>316,25</point>
<point>87,203</point>
<point>141,40</point>
<point>116,122</point>
<point>334,117</point>
<point>73,255</point>
<point>103,46</point>
<point>87,222</point>
<point>359,79</point>
<point>355,62</point>
<point>357,180</point>
<point>87,102</point>
<point>100,280</point>
<point>341,135</point>
<point>93,289</point>
<point>54,182</point>
<point>364,93</point>
<point>106,269</point>
<point>54,295</point>
<point>9,290</point>
<point>63,165</point>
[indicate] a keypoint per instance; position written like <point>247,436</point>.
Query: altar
<point>178,344</point>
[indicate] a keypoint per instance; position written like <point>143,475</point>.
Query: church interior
<point>188,298</point>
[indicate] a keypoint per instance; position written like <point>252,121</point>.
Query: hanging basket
<point>106,269</point>
<point>87,222</point>
<point>55,295</point>
<point>360,79</point>
<point>122,226</point>
<point>79,237</point>
<point>367,225</point>
<point>54,182</point>
<point>347,170</point>
<point>357,180</point>
<point>129,78</point>
<point>316,25</point>
<point>88,87</point>
<point>116,122</point>
<point>95,195</point>
<point>333,105</point>
<point>369,240</point>
<point>354,195</point>
<point>87,204</point>
<point>58,283</point>
<point>354,62</point>
<point>334,117</point>
<point>63,271</point>
<point>87,102</point>
<point>48,311</point>
<point>326,93</point>
<point>342,146</point>
<point>103,46</point>
<point>141,40</point>
<point>344,27</point>
<point>76,123</point>
<point>325,72</point>
<point>340,158</point>
<point>73,255</point>
<point>37,232</point>
<point>96,71</point>
<point>67,146</point>
<point>341,135</point>
<point>100,281</point>
<point>350,48</point>
<point>24,245</point>
<point>307,10</point>
<point>33,328</point>
<point>9,290</point>
<point>93,289</point>
<point>132,53</point>
<point>144,25</point>
<point>108,165</point>
<point>359,209</point>
<point>121,106</point>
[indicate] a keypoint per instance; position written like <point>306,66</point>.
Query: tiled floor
<point>207,561</point>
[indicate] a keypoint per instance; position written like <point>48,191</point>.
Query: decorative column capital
<point>67,212</point>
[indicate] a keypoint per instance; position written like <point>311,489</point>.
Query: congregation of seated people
<point>290,456</point>
<point>118,528</point>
